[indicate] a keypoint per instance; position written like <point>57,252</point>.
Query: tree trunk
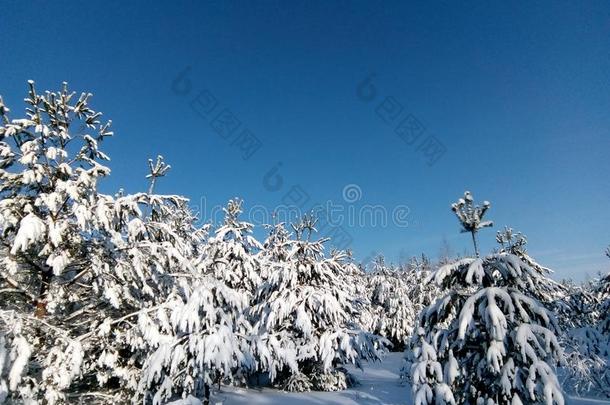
<point>41,305</point>
<point>206,394</point>
<point>474,240</point>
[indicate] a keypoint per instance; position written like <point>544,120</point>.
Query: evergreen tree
<point>494,341</point>
<point>394,311</point>
<point>488,339</point>
<point>602,293</point>
<point>471,217</point>
<point>548,292</point>
<point>305,330</point>
<point>587,348</point>
<point>231,255</point>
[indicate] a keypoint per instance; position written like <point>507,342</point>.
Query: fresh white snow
<point>379,384</point>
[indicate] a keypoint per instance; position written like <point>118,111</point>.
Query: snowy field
<point>379,384</point>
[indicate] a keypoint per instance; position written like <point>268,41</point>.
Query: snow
<point>379,384</point>
<point>190,400</point>
<point>31,230</point>
<point>21,353</point>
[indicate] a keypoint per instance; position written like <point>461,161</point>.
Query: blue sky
<point>517,94</point>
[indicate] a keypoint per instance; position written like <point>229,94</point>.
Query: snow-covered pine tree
<point>549,292</point>
<point>91,285</point>
<point>394,312</point>
<point>587,339</point>
<point>602,293</point>
<point>275,249</point>
<point>304,329</point>
<point>195,334</point>
<point>274,353</point>
<point>445,253</point>
<point>494,341</point>
<point>471,217</point>
<point>356,280</point>
<point>231,255</point>
<point>206,337</point>
<point>197,337</point>
<point>369,314</point>
<point>47,191</point>
<point>416,274</point>
<point>51,248</point>
<point>422,293</point>
<point>585,365</point>
<point>488,340</point>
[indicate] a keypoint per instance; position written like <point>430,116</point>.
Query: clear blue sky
<point>518,94</point>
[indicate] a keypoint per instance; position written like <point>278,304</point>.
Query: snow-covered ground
<point>379,384</point>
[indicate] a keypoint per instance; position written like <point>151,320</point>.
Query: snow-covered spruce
<point>586,371</point>
<point>421,291</point>
<point>394,313</point>
<point>356,279</point>
<point>602,296</point>
<point>304,329</point>
<point>85,278</point>
<point>471,216</point>
<point>487,341</point>
<point>231,255</point>
<point>549,292</point>
<point>585,315</point>
<point>197,337</point>
<point>53,240</point>
<point>585,368</point>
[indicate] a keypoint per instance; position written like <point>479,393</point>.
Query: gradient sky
<point>517,93</point>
